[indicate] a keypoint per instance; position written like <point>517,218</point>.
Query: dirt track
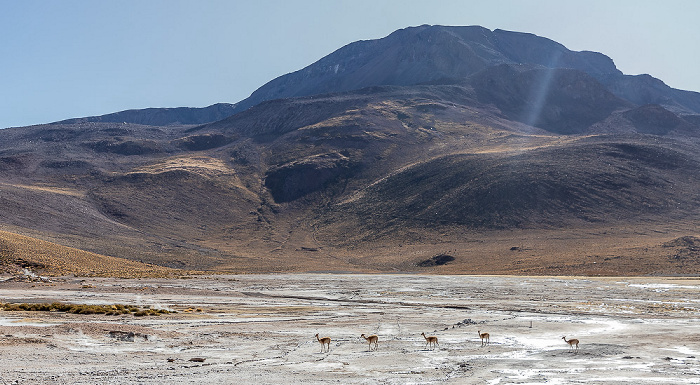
<point>260,329</point>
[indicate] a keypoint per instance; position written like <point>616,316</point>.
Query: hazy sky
<point>73,58</point>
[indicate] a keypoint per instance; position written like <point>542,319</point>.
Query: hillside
<point>18,253</point>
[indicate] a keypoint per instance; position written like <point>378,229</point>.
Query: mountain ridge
<point>161,116</point>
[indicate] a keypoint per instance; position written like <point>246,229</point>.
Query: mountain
<point>503,151</point>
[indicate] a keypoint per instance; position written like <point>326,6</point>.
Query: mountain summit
<point>425,54</point>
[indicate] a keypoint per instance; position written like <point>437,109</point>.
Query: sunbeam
<point>540,91</point>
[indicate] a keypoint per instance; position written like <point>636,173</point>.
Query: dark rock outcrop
<point>293,180</point>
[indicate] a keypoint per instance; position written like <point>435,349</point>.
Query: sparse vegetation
<point>84,309</point>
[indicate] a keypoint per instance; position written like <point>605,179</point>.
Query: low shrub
<point>84,309</point>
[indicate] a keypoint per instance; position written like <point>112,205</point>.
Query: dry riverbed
<point>260,329</point>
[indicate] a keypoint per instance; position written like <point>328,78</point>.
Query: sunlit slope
<point>18,252</point>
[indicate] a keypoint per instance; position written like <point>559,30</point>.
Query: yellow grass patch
<point>53,259</point>
<point>203,165</point>
<point>50,189</point>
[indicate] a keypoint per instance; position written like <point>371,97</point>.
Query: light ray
<point>540,91</point>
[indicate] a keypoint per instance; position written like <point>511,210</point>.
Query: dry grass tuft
<point>84,309</point>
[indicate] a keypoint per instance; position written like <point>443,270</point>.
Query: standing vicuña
<point>371,339</point>
<point>484,337</point>
<point>572,342</point>
<point>431,340</point>
<point>324,341</point>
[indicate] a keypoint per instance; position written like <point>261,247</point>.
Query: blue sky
<point>74,58</point>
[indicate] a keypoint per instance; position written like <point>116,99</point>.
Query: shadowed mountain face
<point>559,100</point>
<point>458,133</point>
